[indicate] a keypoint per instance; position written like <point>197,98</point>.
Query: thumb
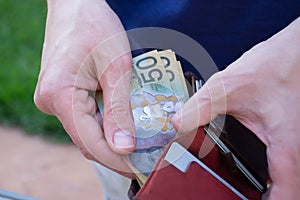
<point>118,124</point>
<point>203,107</point>
<point>113,62</point>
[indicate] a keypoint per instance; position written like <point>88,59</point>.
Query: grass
<point>21,35</point>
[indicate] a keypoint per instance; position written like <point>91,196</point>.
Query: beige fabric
<point>114,185</point>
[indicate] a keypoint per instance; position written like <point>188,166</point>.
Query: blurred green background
<point>22,25</point>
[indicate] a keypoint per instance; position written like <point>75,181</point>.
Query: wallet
<point>167,182</point>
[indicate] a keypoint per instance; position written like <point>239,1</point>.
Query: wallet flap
<point>167,182</point>
<point>196,183</point>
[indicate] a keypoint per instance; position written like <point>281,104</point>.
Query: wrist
<point>54,1</point>
<point>296,24</point>
<point>294,31</point>
<point>58,3</point>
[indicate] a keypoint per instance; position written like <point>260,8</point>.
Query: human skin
<point>262,90</point>
<point>86,49</point>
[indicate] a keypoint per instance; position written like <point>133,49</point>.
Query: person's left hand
<point>262,90</point>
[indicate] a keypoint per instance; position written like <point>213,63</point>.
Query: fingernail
<point>123,140</point>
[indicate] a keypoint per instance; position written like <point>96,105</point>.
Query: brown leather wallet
<point>167,182</point>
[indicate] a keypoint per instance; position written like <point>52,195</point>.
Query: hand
<point>262,90</point>
<point>86,49</point>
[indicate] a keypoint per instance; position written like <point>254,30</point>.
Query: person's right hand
<point>86,49</point>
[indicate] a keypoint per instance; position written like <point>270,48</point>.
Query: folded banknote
<point>158,90</point>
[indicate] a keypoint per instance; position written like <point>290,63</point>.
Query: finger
<point>118,123</point>
<point>201,108</point>
<point>79,120</point>
<point>113,64</point>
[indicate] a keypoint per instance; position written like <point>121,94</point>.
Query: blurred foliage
<point>22,25</point>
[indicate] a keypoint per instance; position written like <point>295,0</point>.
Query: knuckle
<point>45,93</point>
<point>118,107</point>
<point>86,154</point>
<point>126,60</point>
<point>43,96</point>
<point>122,62</point>
<point>117,114</point>
<point>38,101</point>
